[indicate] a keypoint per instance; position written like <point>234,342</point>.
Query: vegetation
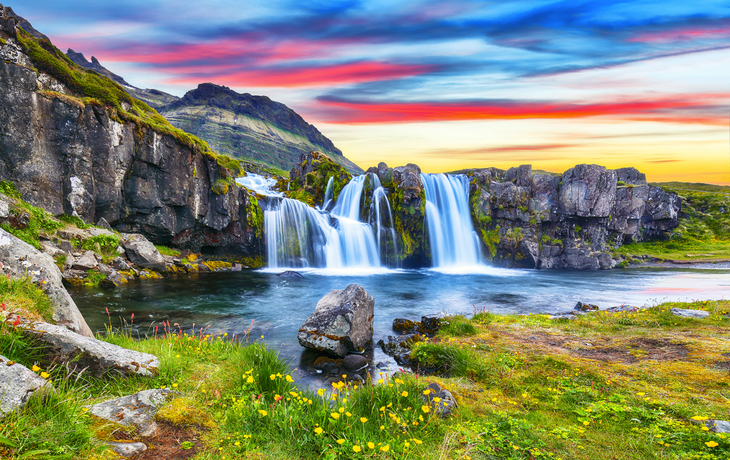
<point>631,385</point>
<point>703,233</point>
<point>32,221</point>
<point>167,251</point>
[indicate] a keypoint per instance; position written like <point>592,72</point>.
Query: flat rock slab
<point>138,409</point>
<point>127,449</point>
<point>100,357</point>
<point>86,262</point>
<point>689,313</point>
<point>342,321</point>
<point>17,385</point>
<point>718,426</point>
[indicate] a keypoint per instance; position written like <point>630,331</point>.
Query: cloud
<point>338,110</point>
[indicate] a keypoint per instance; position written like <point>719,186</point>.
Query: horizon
<point>446,86</point>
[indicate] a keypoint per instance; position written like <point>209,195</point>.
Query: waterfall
<point>451,232</point>
<point>299,236</point>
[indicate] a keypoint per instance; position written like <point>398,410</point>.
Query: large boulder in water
<point>342,321</point>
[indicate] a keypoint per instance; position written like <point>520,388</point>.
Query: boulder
<point>51,249</point>
<point>138,409</point>
<point>342,321</point>
<point>127,449</point>
<point>718,426</point>
<point>588,191</point>
<point>104,224</point>
<point>100,232</point>
<point>141,252</point>
<point>86,262</point>
<point>355,363</point>
<point>112,280</point>
<point>685,313</point>
<point>100,357</point>
<point>441,399</point>
<point>291,275</point>
<point>21,259</point>
<point>17,385</point>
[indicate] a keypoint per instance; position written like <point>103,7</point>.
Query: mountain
<point>250,127</point>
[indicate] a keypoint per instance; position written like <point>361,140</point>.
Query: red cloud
<point>338,74</point>
<point>348,112</point>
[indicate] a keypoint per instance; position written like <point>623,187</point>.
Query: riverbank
<point>603,385</point>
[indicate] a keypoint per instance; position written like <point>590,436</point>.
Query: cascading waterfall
<point>299,236</point>
<point>451,232</point>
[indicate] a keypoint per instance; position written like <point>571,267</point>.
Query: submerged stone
<point>342,321</point>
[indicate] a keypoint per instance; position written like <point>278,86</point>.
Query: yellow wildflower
<point>711,444</point>
<point>335,415</point>
<point>404,394</point>
<point>363,419</point>
<point>320,392</point>
<point>356,448</point>
<point>289,379</point>
<point>425,409</point>
<point>45,375</point>
<point>371,445</point>
<point>263,413</point>
<point>36,368</point>
<point>249,379</point>
<point>318,430</point>
<point>340,441</point>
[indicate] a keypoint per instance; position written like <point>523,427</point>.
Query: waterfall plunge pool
<point>228,302</point>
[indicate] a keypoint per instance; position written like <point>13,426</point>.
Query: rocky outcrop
<point>19,259</point>
<point>80,158</point>
<point>17,385</point>
<point>143,253</point>
<point>573,220</point>
<point>249,127</point>
<point>408,202</point>
<point>101,358</point>
<point>310,176</point>
<point>342,321</point>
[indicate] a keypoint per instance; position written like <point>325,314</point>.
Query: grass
<point>703,234</point>
<point>167,251</point>
<point>605,385</point>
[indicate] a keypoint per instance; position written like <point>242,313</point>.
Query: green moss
<point>93,278</point>
<point>107,243</point>
<point>8,189</point>
<point>167,251</point>
<point>577,228</point>
<point>221,186</point>
<point>39,221</point>
<point>255,216</point>
<point>77,221</point>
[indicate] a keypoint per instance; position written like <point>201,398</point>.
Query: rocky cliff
<point>75,143</point>
<point>572,220</point>
<point>249,127</point>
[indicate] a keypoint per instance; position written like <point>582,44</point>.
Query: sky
<point>444,84</point>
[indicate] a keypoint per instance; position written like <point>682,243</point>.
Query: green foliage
<point>8,189</point>
<point>457,326</point>
<point>22,296</point>
<point>107,243</point>
<point>93,278</point>
<point>255,216</point>
<point>577,229</point>
<point>74,220</point>
<point>167,251</point>
<point>221,186</point>
<point>39,221</point>
<point>491,239</point>
<point>621,183</point>
<point>60,261</point>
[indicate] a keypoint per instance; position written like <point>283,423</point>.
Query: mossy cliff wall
<point>310,176</point>
<point>73,154</point>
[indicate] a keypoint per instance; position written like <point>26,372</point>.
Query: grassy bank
<point>703,234</point>
<point>605,385</point>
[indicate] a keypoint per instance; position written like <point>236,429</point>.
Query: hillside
<point>251,127</point>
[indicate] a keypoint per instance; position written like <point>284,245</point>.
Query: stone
<point>100,357</point>
<point>138,409</point>
<point>21,259</point>
<point>86,262</point>
<point>19,218</point>
<point>51,249</point>
<point>66,247</point>
<point>235,267</point>
<point>291,275</point>
<point>104,224</point>
<point>355,363</point>
<point>718,426</point>
<point>446,403</point>
<point>119,263</point>
<point>72,233</point>
<point>74,277</point>
<point>17,385</point>
<point>113,279</point>
<point>342,321</point>
<point>141,252</point>
<point>4,208</point>
<point>580,306</point>
<point>127,449</point>
<point>686,313</point>
<point>405,326</point>
<point>100,232</point>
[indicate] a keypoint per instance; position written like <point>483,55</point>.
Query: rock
<point>685,313</point>
<point>355,363</point>
<point>19,219</point>
<point>342,321</point>
<point>100,232</point>
<point>120,264</point>
<point>4,208</point>
<point>236,268</point>
<point>405,325</point>
<point>86,262</point>
<point>580,306</point>
<point>718,426</point>
<point>143,253</point>
<point>399,347</point>
<point>74,277</point>
<point>21,259</point>
<point>104,224</point>
<point>113,279</point>
<point>203,268</point>
<point>127,449</point>
<point>66,247</point>
<point>138,409</point>
<point>51,249</point>
<point>72,233</point>
<point>291,275</point>
<point>17,385</point>
<point>446,401</point>
<point>100,357</point>
<point>429,325</point>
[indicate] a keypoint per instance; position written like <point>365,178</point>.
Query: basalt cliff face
<point>73,155</point>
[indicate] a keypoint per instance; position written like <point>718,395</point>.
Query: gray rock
<point>113,279</point>
<point>4,208</point>
<point>138,409</point>
<point>17,385</point>
<point>355,363</point>
<point>100,357</point>
<point>342,320</point>
<point>127,449</point>
<point>72,233</point>
<point>66,247</point>
<point>441,399</point>
<point>588,191</point>
<point>291,275</point>
<point>120,264</point>
<point>685,313</point>
<point>86,262</point>
<point>21,259</point>
<point>235,268</point>
<point>72,276</point>
<point>51,249</point>
<point>718,426</point>
<point>143,253</point>
<point>104,224</point>
<point>100,232</point>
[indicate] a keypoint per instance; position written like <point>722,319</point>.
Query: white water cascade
<point>299,236</point>
<point>451,232</point>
